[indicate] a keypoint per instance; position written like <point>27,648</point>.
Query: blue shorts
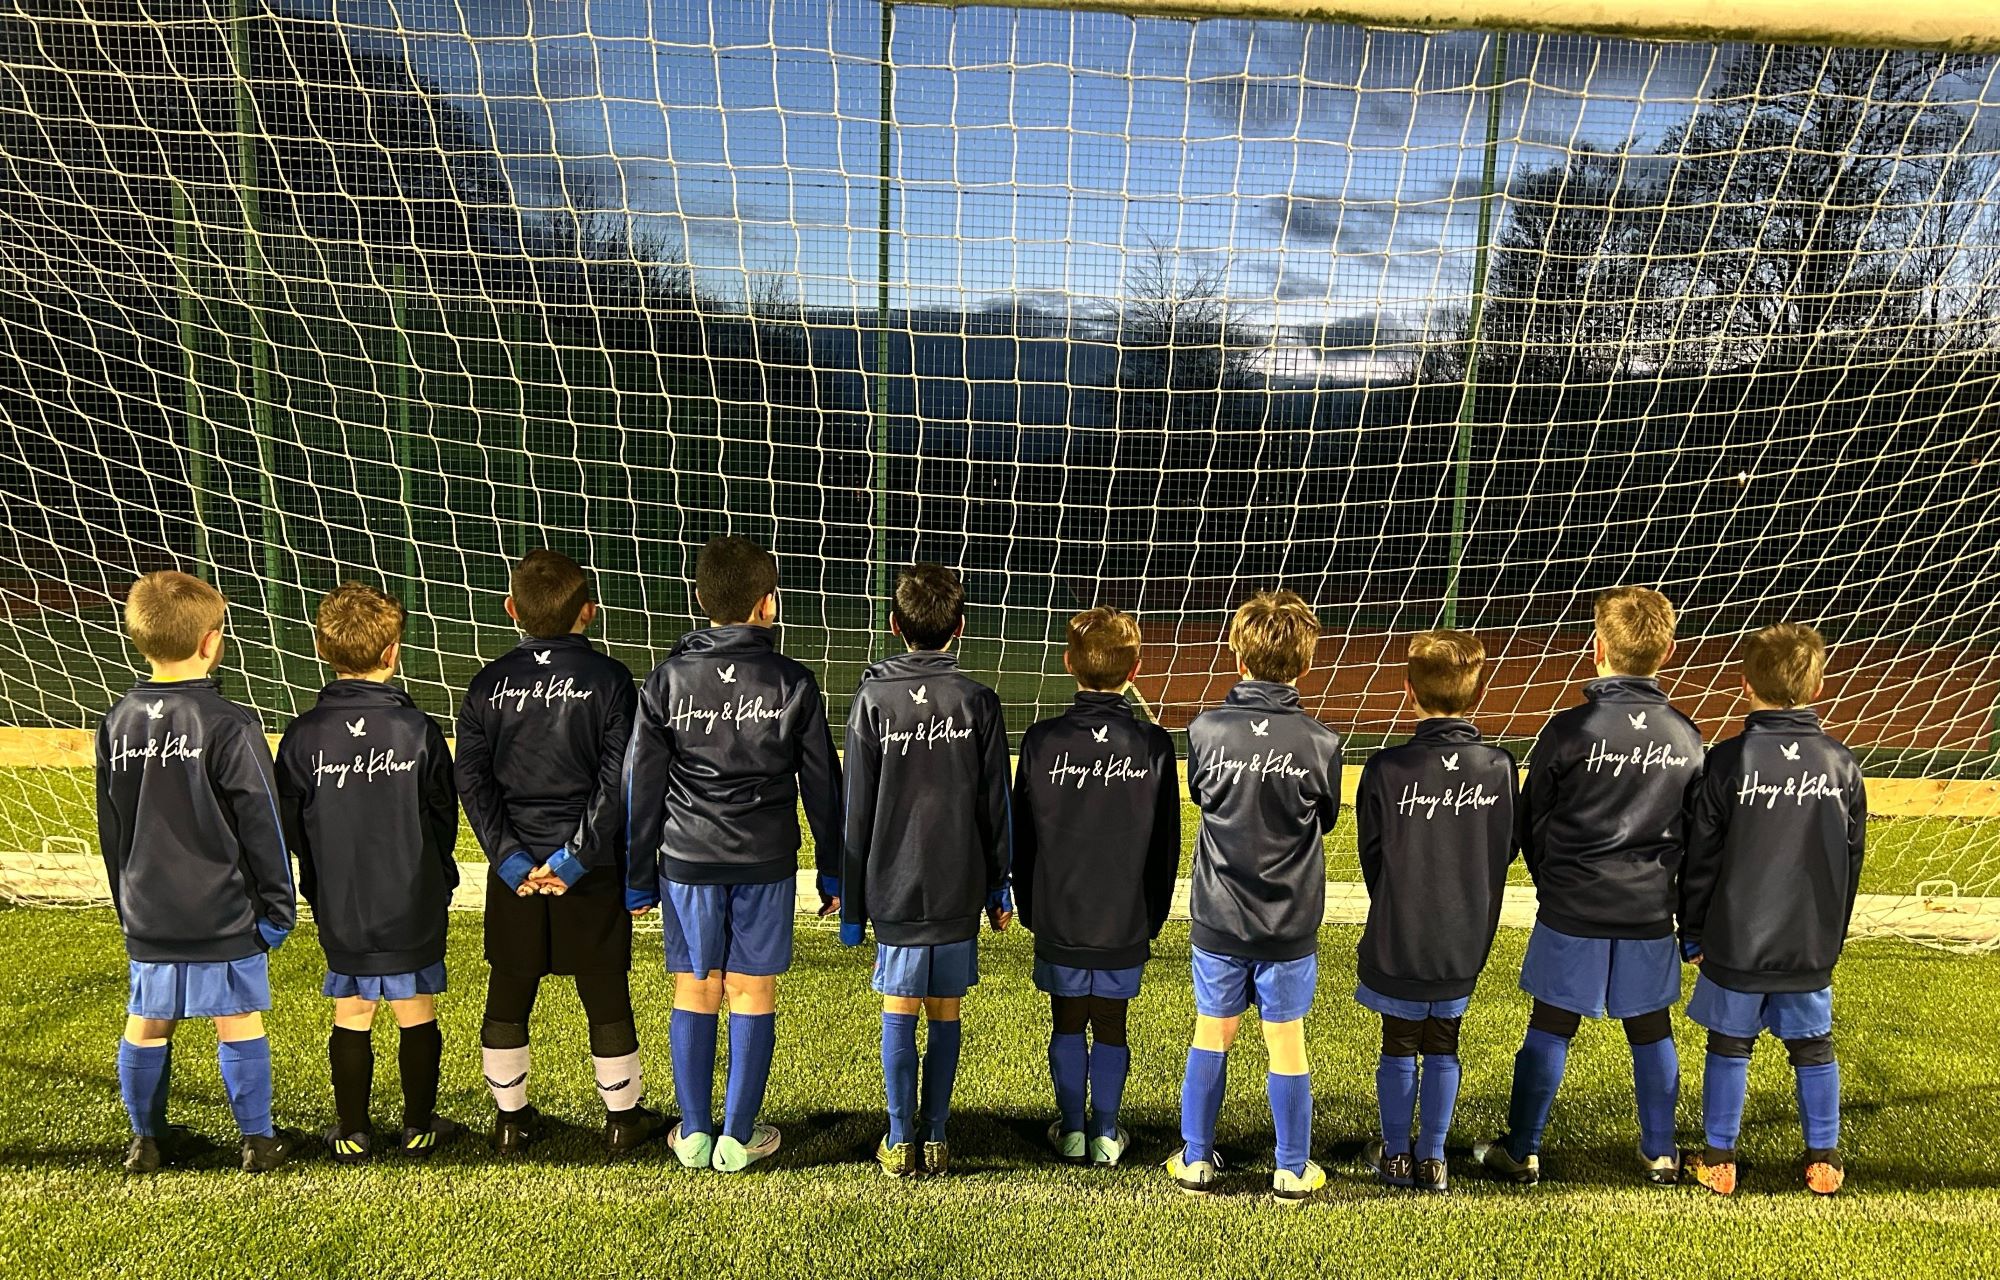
<point>1410,1010</point>
<point>734,928</point>
<point>1602,977</point>
<point>174,989</point>
<point>943,972</point>
<point>1788,1015</point>
<point>427,981</point>
<point>1282,990</point>
<point>1068,982</point>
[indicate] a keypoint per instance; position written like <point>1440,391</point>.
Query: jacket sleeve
<point>1025,837</point>
<point>600,837</point>
<point>819,781</point>
<point>1368,816</point>
<point>111,834</point>
<point>863,770</point>
<point>1707,823</point>
<point>440,800</point>
<point>485,808</point>
<point>648,761</point>
<point>996,810</point>
<point>1329,800</point>
<point>1163,860</point>
<point>291,817</point>
<point>243,778</point>
<point>1536,802</point>
<point>1857,843</point>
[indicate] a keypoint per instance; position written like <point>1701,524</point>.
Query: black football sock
<point>417,1056</point>
<point>352,1055</point>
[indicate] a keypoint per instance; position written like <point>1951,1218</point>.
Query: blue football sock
<point>752,1037</point>
<point>1538,1073</point>
<point>940,1075</point>
<point>142,1077</point>
<point>1656,1079</point>
<point>1819,1105</point>
<point>691,1046</point>
<point>1069,1068</point>
<point>1440,1097</point>
<point>1292,1117</point>
<point>1201,1102</point>
<point>246,1078</point>
<point>1725,1081</point>
<point>899,1073</point>
<point>1109,1065</point>
<point>1395,1099</point>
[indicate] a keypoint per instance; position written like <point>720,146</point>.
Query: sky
<point>1332,174</point>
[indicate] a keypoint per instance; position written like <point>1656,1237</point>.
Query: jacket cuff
<point>829,886</point>
<point>513,869</point>
<point>1001,899</point>
<point>1690,948</point>
<point>853,934</point>
<point>638,900</point>
<point>566,867</point>
<point>273,936</point>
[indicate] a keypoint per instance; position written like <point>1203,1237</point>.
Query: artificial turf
<point>1921,1136</point>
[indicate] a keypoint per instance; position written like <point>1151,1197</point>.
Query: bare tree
<point>1181,340</point>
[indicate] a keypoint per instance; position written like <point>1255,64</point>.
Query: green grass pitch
<point>1922,1138</point>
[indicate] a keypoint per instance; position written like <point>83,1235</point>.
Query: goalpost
<point>1451,315</point>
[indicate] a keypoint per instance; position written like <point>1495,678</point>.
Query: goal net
<point>1447,326</point>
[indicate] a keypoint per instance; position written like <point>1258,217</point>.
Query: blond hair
<point>1273,635</point>
<point>1785,664</point>
<point>1445,667</point>
<point>168,612</point>
<point>1103,647</point>
<point>355,627</point>
<point>1637,627</point>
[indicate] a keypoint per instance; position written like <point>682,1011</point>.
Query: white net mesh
<point>1429,327</point>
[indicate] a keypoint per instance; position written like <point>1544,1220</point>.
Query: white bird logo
<point>359,728</point>
<point>1261,728</point>
<point>727,674</point>
<point>543,657</point>
<point>1789,751</point>
<point>154,710</point>
<point>920,695</point>
<point>1451,763</point>
<point>1638,721</point>
<point>1101,735</point>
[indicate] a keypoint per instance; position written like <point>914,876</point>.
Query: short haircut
<point>549,591</point>
<point>356,624</point>
<point>1273,635</point>
<point>1784,664</point>
<point>731,575</point>
<point>1637,624</point>
<point>167,612</point>
<point>1103,647</point>
<point>929,605</point>
<point>1445,667</point>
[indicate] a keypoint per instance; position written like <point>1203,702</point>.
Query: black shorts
<point>579,932</point>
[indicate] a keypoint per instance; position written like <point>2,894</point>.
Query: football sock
<point>246,1078</point>
<point>1109,1065</point>
<point>1292,1117</point>
<point>1725,1080</point>
<point>506,1075</point>
<point>940,1075</point>
<point>620,1080</point>
<point>143,1070</point>
<point>899,1074</point>
<point>1439,1091</point>
<point>1069,1068</point>
<point>1656,1079</point>
<point>752,1037</point>
<point>351,1054</point>
<point>691,1045</point>
<point>419,1050</point>
<point>1819,1105</point>
<point>1395,1099</point>
<point>1538,1073</point>
<point>1201,1102</point>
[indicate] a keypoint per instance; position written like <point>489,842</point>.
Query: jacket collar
<point>201,684</point>
<point>1795,720</point>
<point>1624,689</point>
<point>366,693</point>
<point>1445,729</point>
<point>917,662</point>
<point>1265,694</point>
<point>1095,702</point>
<point>734,637</point>
<point>571,641</point>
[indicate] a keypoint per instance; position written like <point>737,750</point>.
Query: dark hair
<point>549,591</point>
<point>731,575</point>
<point>929,605</point>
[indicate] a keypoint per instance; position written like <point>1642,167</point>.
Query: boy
<point>1777,822</point>
<point>1602,834</point>
<point>365,788</point>
<point>541,747</point>
<point>1097,843</point>
<point>926,850</point>
<point>730,736</point>
<point>187,820</point>
<point>1436,819</point>
<point>1266,777</point>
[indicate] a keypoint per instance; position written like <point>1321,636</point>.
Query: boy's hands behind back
<point>999,918</point>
